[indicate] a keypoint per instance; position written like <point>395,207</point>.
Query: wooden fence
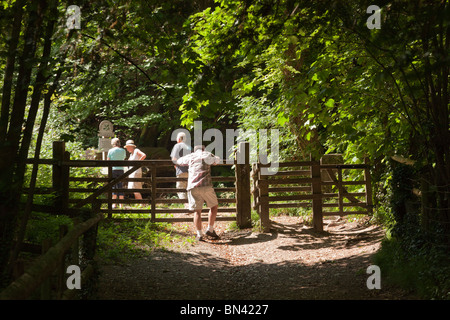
<point>46,277</point>
<point>159,191</point>
<point>346,190</point>
<point>295,184</point>
<point>301,184</point>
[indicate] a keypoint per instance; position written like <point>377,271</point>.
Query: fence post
<point>340,192</point>
<point>263,200</point>
<point>368,180</point>
<point>61,271</point>
<point>88,248</point>
<point>255,190</point>
<point>110,191</point>
<point>46,284</point>
<point>60,176</point>
<point>65,175</point>
<point>153,200</point>
<point>317,196</point>
<point>59,147</point>
<point>243,193</point>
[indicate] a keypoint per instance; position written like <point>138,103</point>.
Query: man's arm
<point>174,153</point>
<point>183,161</point>
<point>141,155</point>
<point>212,159</point>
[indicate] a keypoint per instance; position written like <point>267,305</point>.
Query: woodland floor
<point>292,262</point>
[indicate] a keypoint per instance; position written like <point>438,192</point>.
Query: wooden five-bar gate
<point>160,202</point>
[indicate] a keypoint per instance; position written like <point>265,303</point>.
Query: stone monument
<point>105,133</point>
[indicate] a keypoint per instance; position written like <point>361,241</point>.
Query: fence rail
<point>54,259</point>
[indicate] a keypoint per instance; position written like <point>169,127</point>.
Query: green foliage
<point>338,85</point>
<point>413,255</point>
<point>124,68</point>
<point>425,271</point>
<point>45,226</point>
<point>332,85</point>
<point>120,240</point>
<point>311,69</point>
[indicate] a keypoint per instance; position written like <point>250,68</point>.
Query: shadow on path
<point>204,273</point>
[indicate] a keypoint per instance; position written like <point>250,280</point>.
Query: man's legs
<point>195,204</point>
<point>212,218</point>
<point>196,198</point>
<point>211,200</point>
<point>198,221</point>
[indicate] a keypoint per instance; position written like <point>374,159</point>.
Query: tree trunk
<point>10,181</point>
<point>41,79</point>
<point>9,69</point>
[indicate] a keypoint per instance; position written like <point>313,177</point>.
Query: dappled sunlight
<point>290,262</point>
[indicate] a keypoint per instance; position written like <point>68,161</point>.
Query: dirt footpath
<point>292,262</point>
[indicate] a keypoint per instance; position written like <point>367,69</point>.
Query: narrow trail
<point>292,262</point>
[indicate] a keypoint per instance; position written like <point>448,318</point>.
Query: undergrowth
<point>414,254</point>
<point>420,268</point>
<point>120,240</point>
<point>42,226</point>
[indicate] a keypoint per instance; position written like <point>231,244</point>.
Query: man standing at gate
<point>179,150</point>
<point>200,188</point>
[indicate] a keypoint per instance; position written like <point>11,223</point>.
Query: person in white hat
<point>135,154</point>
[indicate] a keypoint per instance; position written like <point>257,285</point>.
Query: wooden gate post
<point>317,196</point>
<point>263,184</point>
<point>110,191</point>
<point>368,180</point>
<point>255,189</point>
<point>60,176</point>
<point>243,193</point>
<point>153,191</point>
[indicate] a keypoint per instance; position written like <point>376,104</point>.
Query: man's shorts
<point>197,196</point>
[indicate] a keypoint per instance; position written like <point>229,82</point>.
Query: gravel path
<point>292,262</point>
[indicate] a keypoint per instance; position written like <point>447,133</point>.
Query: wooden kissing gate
<point>310,184</point>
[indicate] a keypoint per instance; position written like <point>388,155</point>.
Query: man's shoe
<point>212,234</point>
<point>199,238</point>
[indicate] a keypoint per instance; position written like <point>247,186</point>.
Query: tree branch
<point>130,61</point>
